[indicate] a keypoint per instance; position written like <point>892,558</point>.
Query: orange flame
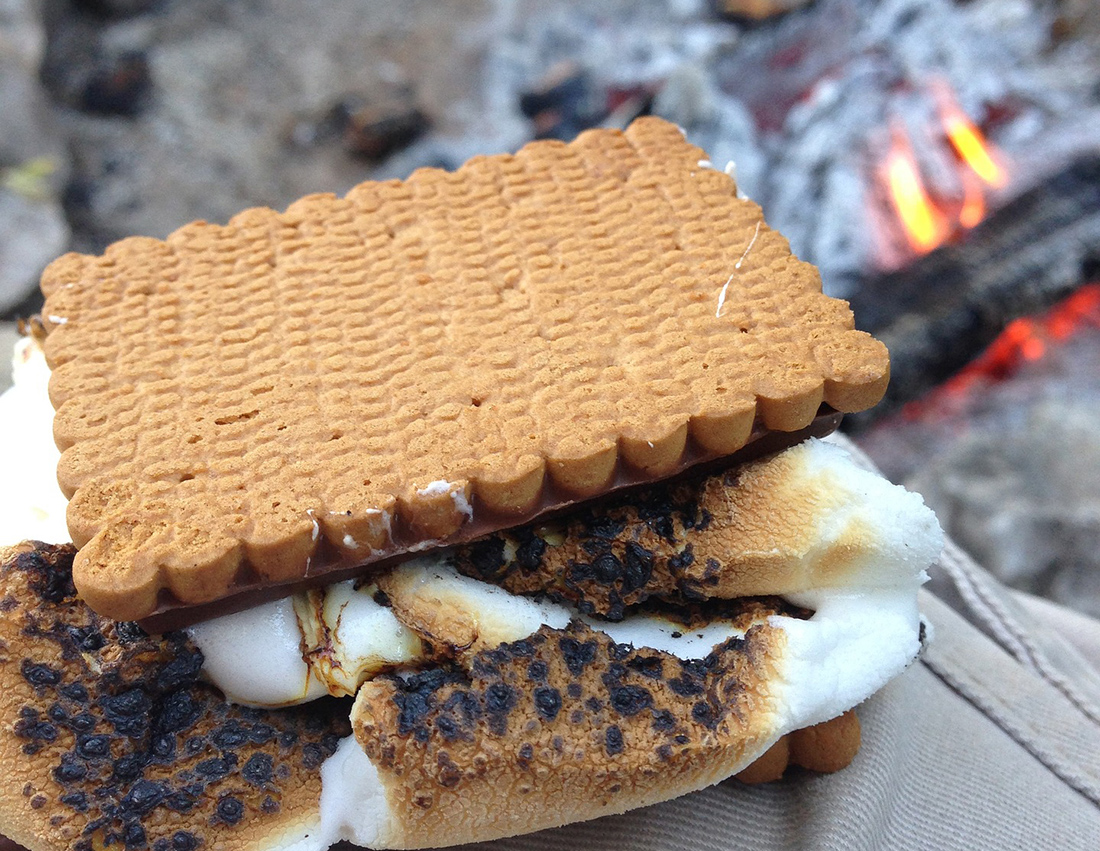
<point>973,208</point>
<point>974,150</point>
<point>967,140</point>
<point>924,225</point>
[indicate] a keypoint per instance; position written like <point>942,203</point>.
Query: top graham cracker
<point>363,375</point>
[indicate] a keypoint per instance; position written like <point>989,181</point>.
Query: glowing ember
<point>1022,341</point>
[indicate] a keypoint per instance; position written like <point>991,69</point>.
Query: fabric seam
<point>1032,656</point>
<point>1073,779</point>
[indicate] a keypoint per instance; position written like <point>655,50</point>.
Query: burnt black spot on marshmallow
<point>230,735</point>
<point>35,728</point>
<point>415,697</point>
<point>129,633</point>
<point>261,734</point>
<point>630,699</point>
<point>637,567</point>
<point>651,667</point>
<point>258,770</point>
<point>127,712</point>
<point>500,698</point>
<point>547,702</point>
<point>487,557</point>
<point>577,654</point>
<point>76,800</point>
<point>606,569</point>
<point>49,572</point>
<point>686,685</point>
<point>448,727</point>
<point>129,767</point>
<point>706,714</point>
<point>133,835</point>
<point>230,810</point>
<point>40,675</point>
<point>313,756</point>
<point>663,721</point>
<point>75,692</point>
<point>182,840</point>
<point>530,551</point>
<point>69,770</point>
<point>613,740</point>
<point>215,768</point>
<point>93,747</point>
<point>143,797</point>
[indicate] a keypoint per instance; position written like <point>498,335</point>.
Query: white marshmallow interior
<point>256,658</point>
<point>361,637</point>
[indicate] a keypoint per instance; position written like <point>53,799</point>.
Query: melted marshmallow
<point>346,637</point>
<point>856,642</point>
<point>853,645</point>
<point>255,656</point>
<point>349,637</point>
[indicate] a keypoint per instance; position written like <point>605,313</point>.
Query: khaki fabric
<point>990,741</point>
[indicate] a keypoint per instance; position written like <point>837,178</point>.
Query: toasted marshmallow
<point>316,643</point>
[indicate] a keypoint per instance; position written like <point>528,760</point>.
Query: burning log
<point>945,308</point>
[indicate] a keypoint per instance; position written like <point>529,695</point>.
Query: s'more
<point>451,509</point>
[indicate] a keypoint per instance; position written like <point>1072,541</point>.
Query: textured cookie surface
<point>109,739</point>
<point>236,398</point>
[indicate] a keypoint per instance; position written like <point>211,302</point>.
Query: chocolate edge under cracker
<point>327,566</point>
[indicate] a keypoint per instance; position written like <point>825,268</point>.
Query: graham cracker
<point>365,374</point>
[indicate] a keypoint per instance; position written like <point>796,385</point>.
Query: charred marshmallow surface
<point>119,741</point>
<point>854,642</point>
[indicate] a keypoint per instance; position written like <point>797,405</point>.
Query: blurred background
<point>938,159</point>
